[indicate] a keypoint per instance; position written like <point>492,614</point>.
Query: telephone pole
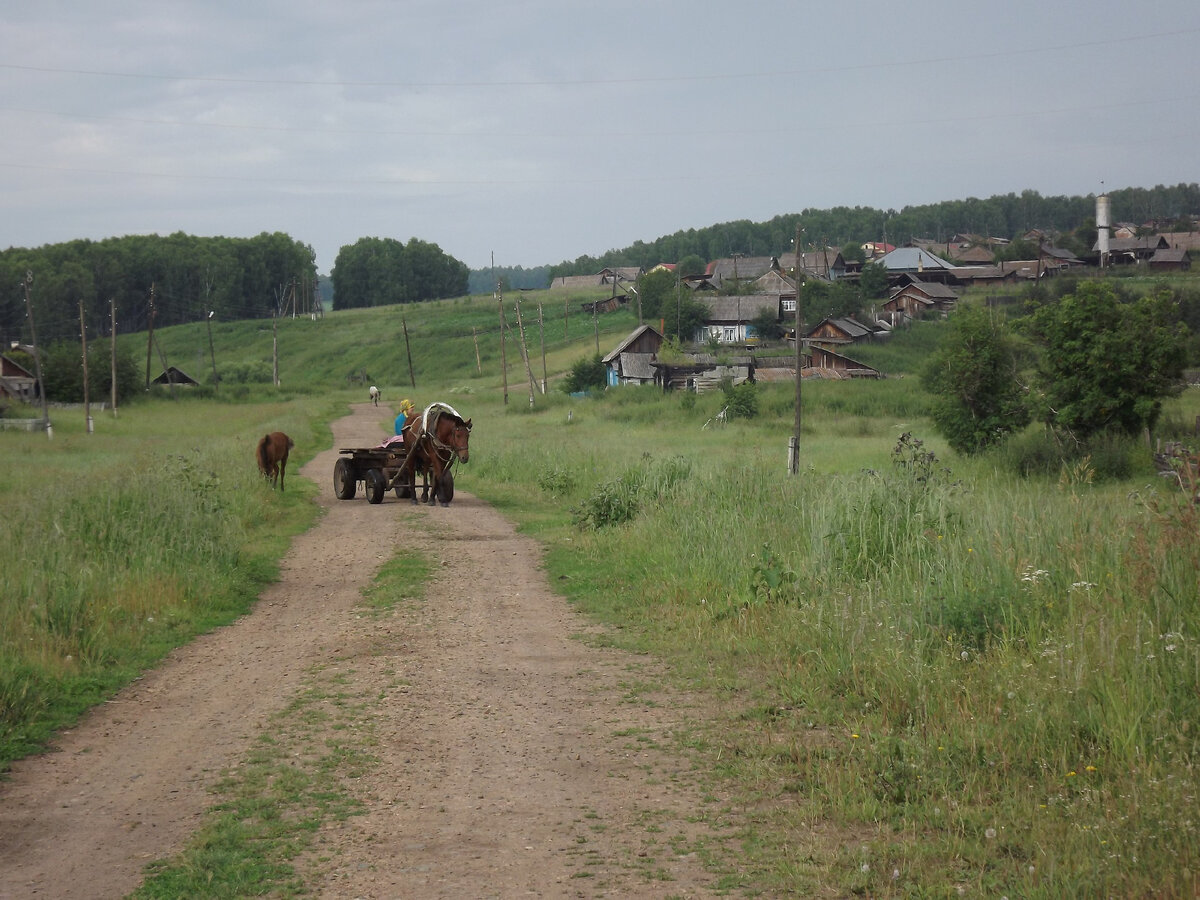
<point>794,443</point>
<point>112,315</point>
<point>87,406</point>
<point>37,354</point>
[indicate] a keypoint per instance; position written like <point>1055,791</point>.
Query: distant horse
<point>375,395</point>
<point>436,440</point>
<point>272,455</point>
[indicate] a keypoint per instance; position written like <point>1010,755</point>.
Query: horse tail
<point>261,452</point>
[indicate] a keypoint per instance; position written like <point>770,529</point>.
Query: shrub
<point>587,372</point>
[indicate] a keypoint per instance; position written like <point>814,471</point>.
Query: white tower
<point>1103,227</point>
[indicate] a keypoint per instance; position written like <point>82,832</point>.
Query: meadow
<point>925,677</point>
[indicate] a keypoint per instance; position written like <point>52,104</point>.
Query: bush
<point>587,373</point>
<point>741,400</point>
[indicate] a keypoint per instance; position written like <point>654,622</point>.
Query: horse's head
<point>460,437</point>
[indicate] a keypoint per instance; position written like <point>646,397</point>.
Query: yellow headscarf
<point>406,406</point>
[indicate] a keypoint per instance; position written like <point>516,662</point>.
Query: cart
<point>378,468</point>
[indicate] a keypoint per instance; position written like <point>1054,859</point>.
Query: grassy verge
<point>128,542</point>
<point>978,683</point>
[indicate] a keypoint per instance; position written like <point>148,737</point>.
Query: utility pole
<point>275,346</point>
<point>150,336</point>
<point>37,354</point>
<point>478,361</point>
<point>499,295</point>
<point>87,406</point>
<point>212,353</point>
<point>525,352</point>
<point>794,443</point>
<point>542,334</point>
<point>112,314</point>
<point>408,351</point>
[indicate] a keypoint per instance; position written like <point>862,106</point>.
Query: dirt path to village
<point>513,760</point>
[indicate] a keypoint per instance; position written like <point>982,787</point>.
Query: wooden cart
<point>379,470</point>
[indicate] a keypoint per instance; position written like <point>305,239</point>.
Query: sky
<point>528,132</point>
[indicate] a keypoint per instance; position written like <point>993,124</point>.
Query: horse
<point>272,456</point>
<point>375,395</point>
<point>437,439</point>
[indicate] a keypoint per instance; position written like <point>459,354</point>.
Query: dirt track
<point>511,762</point>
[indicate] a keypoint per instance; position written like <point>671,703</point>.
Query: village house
<point>834,333</point>
<point>606,277</point>
<point>17,383</point>
<point>630,362</point>
<point>917,299</point>
<point>828,264</point>
<point>919,263</point>
<point>1171,260</point>
<point>729,317</point>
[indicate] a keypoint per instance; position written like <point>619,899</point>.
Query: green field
<point>927,676</point>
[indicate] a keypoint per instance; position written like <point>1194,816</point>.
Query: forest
<point>143,280</point>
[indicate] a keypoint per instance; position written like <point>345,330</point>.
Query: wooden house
<point>827,264</point>
<point>839,332</point>
<point>739,269</point>
<point>916,299</point>
<point>606,277</point>
<point>630,361</point>
<point>729,317</point>
<point>16,382</point>
<point>825,363</point>
<point>1171,260</point>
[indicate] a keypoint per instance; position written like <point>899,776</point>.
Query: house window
<point>729,334</point>
<point>789,306</point>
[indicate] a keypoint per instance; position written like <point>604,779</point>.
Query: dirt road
<point>512,760</point>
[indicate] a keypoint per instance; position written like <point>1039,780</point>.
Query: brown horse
<point>435,441</point>
<point>272,455</point>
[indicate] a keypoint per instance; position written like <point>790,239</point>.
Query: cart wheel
<point>376,484</point>
<point>404,486</point>
<point>447,489</point>
<point>344,482</point>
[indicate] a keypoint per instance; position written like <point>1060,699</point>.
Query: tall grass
<point>128,541</point>
<point>991,683</point>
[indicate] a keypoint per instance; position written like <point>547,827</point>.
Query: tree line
<point>168,280</point>
<point>1007,216</point>
<point>383,271</point>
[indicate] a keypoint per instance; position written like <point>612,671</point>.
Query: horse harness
<point>445,452</point>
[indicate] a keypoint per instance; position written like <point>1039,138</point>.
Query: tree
<point>1109,361</point>
<point>874,281</point>
<point>973,376</point>
<point>690,265</point>
<point>657,291</point>
<point>766,325</point>
<point>587,372</point>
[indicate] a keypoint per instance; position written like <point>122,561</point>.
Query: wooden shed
<point>700,372</point>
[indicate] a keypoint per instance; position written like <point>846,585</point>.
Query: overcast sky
<point>537,131</point>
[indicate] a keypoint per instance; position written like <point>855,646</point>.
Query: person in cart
<point>406,410</point>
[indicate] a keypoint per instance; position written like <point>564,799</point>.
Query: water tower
<point>1103,227</point>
